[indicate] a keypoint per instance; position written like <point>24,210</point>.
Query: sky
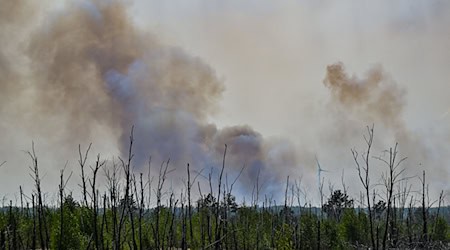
<point>273,57</point>
<point>271,62</point>
<point>281,49</point>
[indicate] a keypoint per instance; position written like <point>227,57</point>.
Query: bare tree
<point>363,172</point>
<point>141,209</point>
<point>161,179</point>
<point>94,199</point>
<point>113,189</point>
<point>62,186</point>
<point>104,223</point>
<point>82,162</point>
<point>34,236</point>
<point>424,209</point>
<point>172,232</point>
<point>218,220</point>
<point>390,179</point>
<point>42,221</point>
<point>126,199</point>
<point>189,186</point>
<point>441,198</point>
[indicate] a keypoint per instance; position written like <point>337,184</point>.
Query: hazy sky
<point>272,58</point>
<point>273,54</point>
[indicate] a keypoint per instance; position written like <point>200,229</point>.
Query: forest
<point>123,217</point>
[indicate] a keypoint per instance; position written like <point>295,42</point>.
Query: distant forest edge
<point>388,216</point>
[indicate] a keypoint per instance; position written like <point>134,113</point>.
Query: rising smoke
<point>376,99</point>
<point>89,66</point>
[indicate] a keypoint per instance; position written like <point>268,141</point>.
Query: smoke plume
<point>88,67</point>
<point>85,72</point>
<point>377,99</point>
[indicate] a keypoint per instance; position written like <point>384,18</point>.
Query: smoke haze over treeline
<point>87,71</point>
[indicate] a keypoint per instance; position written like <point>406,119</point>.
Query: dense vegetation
<point>122,218</point>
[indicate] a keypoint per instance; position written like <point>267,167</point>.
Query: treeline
<point>392,216</point>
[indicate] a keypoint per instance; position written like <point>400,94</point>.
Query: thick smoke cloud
<point>89,67</point>
<point>86,73</point>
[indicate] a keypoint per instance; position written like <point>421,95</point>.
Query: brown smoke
<point>375,96</point>
<point>88,67</point>
<point>377,99</point>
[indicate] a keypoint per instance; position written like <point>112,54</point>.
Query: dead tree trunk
<point>126,199</point>
<point>189,210</point>
<point>98,165</point>
<point>363,172</point>
<point>43,230</point>
<point>424,212</point>
<point>82,162</point>
<point>218,219</point>
<point>389,181</point>
<point>62,185</point>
